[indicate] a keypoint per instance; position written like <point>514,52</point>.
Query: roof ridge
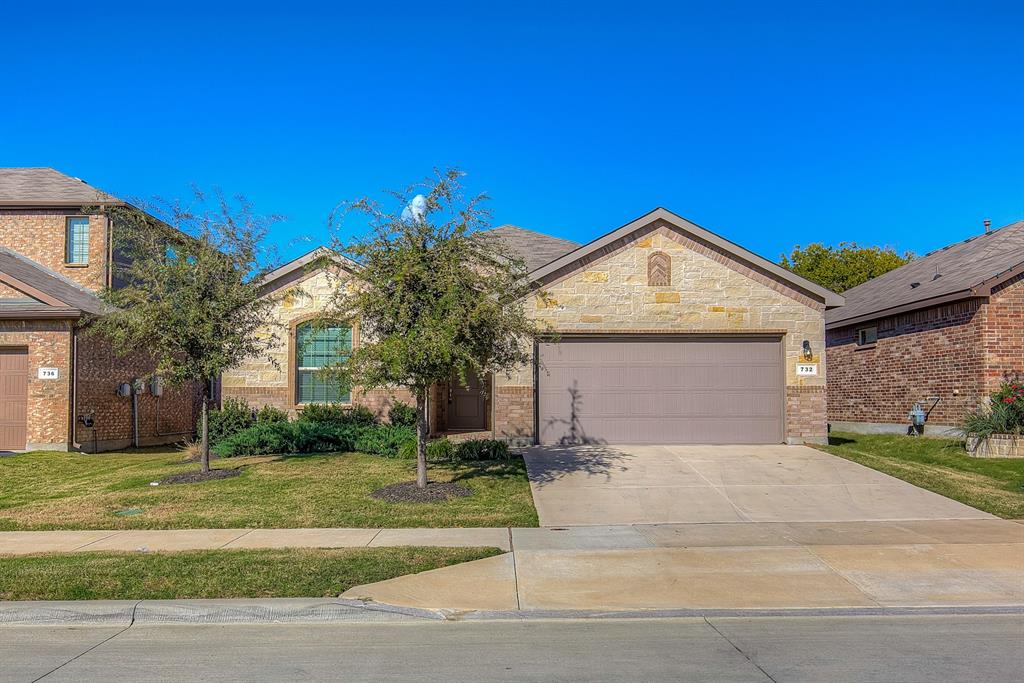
<point>990,233</point>
<point>532,232</point>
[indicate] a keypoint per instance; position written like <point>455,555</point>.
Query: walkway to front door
<point>599,485</point>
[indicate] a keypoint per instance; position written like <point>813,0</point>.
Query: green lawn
<point>51,490</point>
<point>216,573</point>
<point>940,465</point>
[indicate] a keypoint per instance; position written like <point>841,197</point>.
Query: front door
<point>467,407</point>
<point>13,398</point>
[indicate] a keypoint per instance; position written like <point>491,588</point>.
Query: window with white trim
<point>77,247</point>
<point>319,345</point>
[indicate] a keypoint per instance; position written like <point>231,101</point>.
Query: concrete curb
<point>333,611</point>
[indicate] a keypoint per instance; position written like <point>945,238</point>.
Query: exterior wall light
<point>807,350</point>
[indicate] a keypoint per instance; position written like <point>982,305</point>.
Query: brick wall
<point>49,346</point>
<point>804,408</point>
<point>932,352</point>
<point>513,413</point>
<point>40,235</point>
<point>1003,331</point>
<point>165,419</point>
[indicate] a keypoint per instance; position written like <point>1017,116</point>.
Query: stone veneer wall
<point>709,293</point>
<point>49,346</point>
<point>267,381</point>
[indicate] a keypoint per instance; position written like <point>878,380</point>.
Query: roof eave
<point>41,314</point>
<point>951,297</point>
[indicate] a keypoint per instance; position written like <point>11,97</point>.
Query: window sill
<point>76,265</point>
<point>866,347</point>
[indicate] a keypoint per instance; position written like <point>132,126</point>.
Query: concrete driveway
<point>611,485</point>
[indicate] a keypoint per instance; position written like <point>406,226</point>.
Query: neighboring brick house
<point>944,329</point>
<point>55,380</point>
<point>667,333</point>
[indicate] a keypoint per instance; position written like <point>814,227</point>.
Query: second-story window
<point>77,241</point>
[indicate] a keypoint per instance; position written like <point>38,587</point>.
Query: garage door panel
<point>13,398</point>
<point>661,391</point>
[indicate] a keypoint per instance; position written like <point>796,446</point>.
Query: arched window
<point>659,269</point>
<point>319,345</point>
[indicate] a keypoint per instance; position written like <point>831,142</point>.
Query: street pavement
<point>977,648</point>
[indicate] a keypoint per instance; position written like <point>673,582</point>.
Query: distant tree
<point>188,290</point>
<point>435,298</point>
<point>842,267</point>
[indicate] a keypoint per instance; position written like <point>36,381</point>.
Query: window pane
<point>78,240</point>
<point>318,346</point>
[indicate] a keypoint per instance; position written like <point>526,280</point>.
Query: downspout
<point>73,417</point>
<point>135,415</point>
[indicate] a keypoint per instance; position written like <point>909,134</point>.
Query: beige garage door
<point>664,390</point>
<point>13,398</point>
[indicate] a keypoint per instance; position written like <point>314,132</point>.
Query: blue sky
<point>898,123</point>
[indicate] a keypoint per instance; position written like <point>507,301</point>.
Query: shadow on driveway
<point>548,464</point>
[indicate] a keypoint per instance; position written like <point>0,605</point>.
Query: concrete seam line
<point>97,540</point>
<point>740,650</point>
<point>515,582</point>
<point>373,538</point>
<point>240,536</point>
<point>844,577</point>
<point>511,547</point>
<point>87,651</point>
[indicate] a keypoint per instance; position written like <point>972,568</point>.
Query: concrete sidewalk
<point>926,563</point>
<point>31,542</point>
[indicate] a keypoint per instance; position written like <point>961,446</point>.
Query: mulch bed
<point>194,477</point>
<point>408,492</point>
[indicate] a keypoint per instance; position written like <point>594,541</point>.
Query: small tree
<point>188,291</point>
<point>434,296</point>
<point>843,267</point>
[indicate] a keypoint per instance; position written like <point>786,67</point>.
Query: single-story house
<point>667,333</point>
<point>59,387</point>
<point>943,330</point>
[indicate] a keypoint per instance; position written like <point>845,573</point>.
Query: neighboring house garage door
<point>661,390</point>
<point>13,398</point>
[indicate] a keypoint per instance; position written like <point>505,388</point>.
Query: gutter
<point>905,308</point>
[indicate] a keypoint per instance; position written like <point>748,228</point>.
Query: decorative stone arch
<point>659,269</point>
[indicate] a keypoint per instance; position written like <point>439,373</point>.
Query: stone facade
<point>271,380</point>
<point>958,353</point>
<point>710,293</point>
<point>41,235</point>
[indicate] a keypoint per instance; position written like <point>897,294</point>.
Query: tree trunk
<point>422,434</point>
<point>204,448</point>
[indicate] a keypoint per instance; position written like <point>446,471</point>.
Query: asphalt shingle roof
<point>39,277</point>
<point>948,271</point>
<point>47,187</point>
<point>535,248</point>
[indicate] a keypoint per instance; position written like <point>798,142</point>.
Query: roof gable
<point>962,270</point>
<point>303,266</point>
<point>664,218</point>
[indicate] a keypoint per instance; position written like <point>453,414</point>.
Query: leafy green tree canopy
<point>187,289</point>
<point>842,267</point>
<point>435,297</point>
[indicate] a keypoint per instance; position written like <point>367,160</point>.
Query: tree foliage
<point>435,297</point>
<point>187,288</point>
<point>842,267</point>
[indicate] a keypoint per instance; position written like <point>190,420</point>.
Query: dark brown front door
<point>13,398</point>
<point>466,404</point>
<point>714,390</point>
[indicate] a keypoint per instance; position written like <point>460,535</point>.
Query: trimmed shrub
<point>333,413</point>
<point>270,414</point>
<point>234,416</point>
<point>402,414</point>
<point>438,450</point>
<point>481,449</point>
<point>385,440</point>
<point>273,438</point>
